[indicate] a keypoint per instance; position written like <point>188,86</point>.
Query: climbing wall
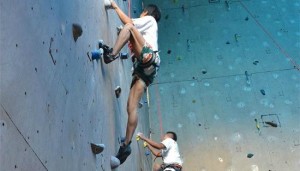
<point>229,83</point>
<point>54,99</point>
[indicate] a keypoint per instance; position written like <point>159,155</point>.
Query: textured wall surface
<point>54,100</point>
<point>223,66</point>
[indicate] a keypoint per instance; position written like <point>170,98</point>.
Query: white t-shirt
<point>171,153</point>
<point>147,26</point>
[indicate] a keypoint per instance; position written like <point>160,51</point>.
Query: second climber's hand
<point>141,135</point>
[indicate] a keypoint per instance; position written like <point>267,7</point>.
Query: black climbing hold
<point>166,17</point>
<point>118,91</point>
<point>97,148</point>
<point>204,71</point>
<point>77,31</point>
<point>169,51</point>
<point>16,45</point>
<point>271,124</point>
<point>262,91</point>
<point>35,69</point>
<point>178,33</point>
<point>247,18</point>
<point>250,155</point>
<point>199,124</point>
<point>25,93</point>
<point>124,56</point>
<point>227,42</point>
<point>255,62</point>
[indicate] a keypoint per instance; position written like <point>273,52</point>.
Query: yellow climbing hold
<point>145,144</point>
<point>138,138</point>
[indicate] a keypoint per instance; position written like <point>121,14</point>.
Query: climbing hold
<point>118,91</point>
<point>262,91</point>
<point>119,29</point>
<point>250,155</point>
<point>97,148</point>
<point>77,31</point>
<point>166,17</point>
<point>124,56</point>
<point>255,62</point>
<point>141,104</point>
<point>96,54</point>
<point>114,162</point>
<point>236,37</point>
<point>107,3</point>
<point>145,144</point>
<point>271,124</point>
<point>138,138</point>
<point>169,51</point>
<point>257,126</point>
<point>147,152</point>
<point>123,139</point>
<point>227,42</point>
<point>204,71</point>
<point>100,44</point>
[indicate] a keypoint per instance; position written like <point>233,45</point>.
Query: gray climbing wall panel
<point>54,100</point>
<point>229,83</point>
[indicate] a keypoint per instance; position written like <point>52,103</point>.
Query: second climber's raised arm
<point>154,151</point>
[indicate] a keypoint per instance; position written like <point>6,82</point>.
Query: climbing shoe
<point>124,152</point>
<point>107,56</point>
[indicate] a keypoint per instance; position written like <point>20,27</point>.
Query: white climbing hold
<point>97,148</point>
<point>107,3</point>
<point>114,162</point>
<point>254,168</point>
<point>206,84</point>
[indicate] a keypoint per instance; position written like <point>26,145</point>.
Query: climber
<point>167,149</point>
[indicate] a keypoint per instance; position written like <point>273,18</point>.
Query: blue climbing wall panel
<point>229,83</point>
